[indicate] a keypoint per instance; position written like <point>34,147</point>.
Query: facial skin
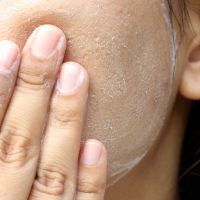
<point>128,51</point>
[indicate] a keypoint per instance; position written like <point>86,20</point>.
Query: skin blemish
<point>156,99</point>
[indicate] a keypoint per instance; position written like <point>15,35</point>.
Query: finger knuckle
<point>90,187</point>
<point>34,82</point>
<point>15,148</point>
<point>50,180</point>
<point>36,74</point>
<point>71,113</point>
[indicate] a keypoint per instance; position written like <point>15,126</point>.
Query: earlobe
<point>190,82</point>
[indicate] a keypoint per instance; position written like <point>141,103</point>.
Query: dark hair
<point>182,17</point>
<point>189,173</point>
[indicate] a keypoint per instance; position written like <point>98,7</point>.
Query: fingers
<point>57,171</point>
<point>92,172</point>
<point>9,64</point>
<point>23,124</point>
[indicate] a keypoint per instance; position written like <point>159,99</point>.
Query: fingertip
<point>9,54</point>
<point>92,171</point>
<point>93,153</point>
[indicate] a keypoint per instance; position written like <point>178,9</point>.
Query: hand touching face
<point>43,103</point>
<point>128,50</point>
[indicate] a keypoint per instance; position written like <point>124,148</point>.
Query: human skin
<point>129,58</point>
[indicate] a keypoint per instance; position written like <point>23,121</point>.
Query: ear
<point>190,82</point>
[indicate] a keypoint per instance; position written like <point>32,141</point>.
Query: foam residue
<point>124,168</point>
<point>172,31</point>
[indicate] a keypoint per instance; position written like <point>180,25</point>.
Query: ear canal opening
<point>195,55</point>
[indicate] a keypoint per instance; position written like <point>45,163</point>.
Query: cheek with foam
<point>123,57</point>
<point>119,168</point>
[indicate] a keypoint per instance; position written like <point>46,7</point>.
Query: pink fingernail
<point>8,54</point>
<point>71,78</point>
<point>45,41</point>
<point>91,153</point>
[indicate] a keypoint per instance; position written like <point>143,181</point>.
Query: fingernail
<point>91,153</point>
<point>71,78</point>
<point>8,54</point>
<point>45,41</point>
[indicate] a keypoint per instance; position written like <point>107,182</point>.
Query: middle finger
<point>57,170</point>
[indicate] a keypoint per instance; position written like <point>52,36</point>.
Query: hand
<point>51,169</point>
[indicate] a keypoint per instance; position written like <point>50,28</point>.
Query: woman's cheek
<point>129,60</point>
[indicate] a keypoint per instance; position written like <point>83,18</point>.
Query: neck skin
<point>155,178</point>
